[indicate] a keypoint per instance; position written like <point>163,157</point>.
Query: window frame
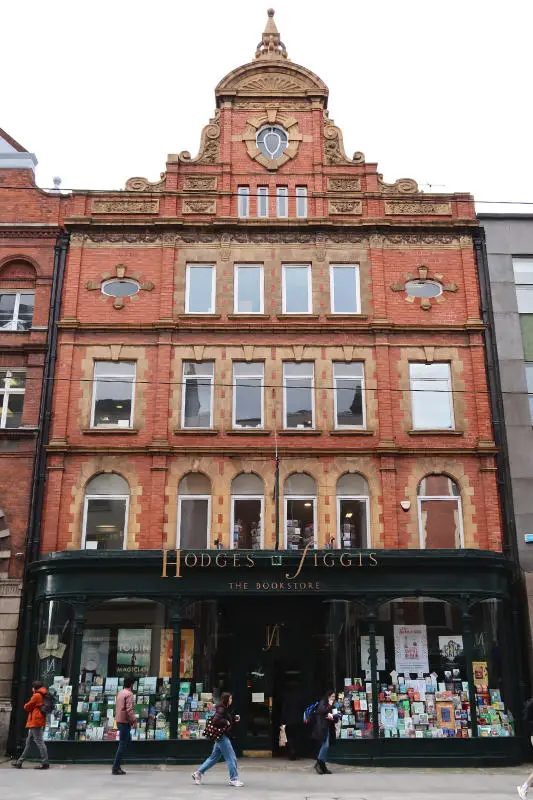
<point>362,498</point>
<point>458,498</point>
<point>236,268</point>
<point>528,366</point>
<point>361,378</point>
<point>14,320</point>
<point>6,391</point>
<point>449,392</point>
<point>188,268</point>
<point>284,268</point>
<point>183,497</point>
<point>86,499</point>
<point>282,194</point>
<point>185,379</point>
<point>262,196</point>
<point>301,197</point>
<point>234,398</point>
<point>243,201</point>
<point>234,497</point>
<point>355,267</point>
<point>312,390</point>
<point>314,499</point>
<point>121,379</point>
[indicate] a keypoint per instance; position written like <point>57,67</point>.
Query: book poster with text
<point>365,653</point>
<point>165,657</point>
<point>411,648</point>
<point>187,653</point>
<point>133,651</point>
<point>94,653</point>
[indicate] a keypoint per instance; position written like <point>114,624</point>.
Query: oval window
<point>120,287</point>
<point>272,141</point>
<point>423,288</point>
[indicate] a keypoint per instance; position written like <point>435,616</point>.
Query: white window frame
<point>234,399</point>
<point>183,497</point>
<point>361,498</point>
<point>301,202</point>
<point>363,395</point>
<point>213,288</point>
<point>447,497</point>
<point>307,498</point>
<point>284,268</point>
<point>299,377</point>
<point>6,391</point>
<point>119,379</point>
<point>186,378</point>
<point>14,320</point>
<point>355,267</point>
<point>236,288</point>
<point>449,393</point>
<point>282,197</point>
<point>262,197</point>
<point>88,497</point>
<point>243,202</point>
<point>232,515</point>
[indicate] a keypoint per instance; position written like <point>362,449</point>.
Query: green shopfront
<point>420,647</point>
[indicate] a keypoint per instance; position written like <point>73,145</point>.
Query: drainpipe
<point>23,666</point>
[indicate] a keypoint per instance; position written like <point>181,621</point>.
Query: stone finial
<point>271,46</point>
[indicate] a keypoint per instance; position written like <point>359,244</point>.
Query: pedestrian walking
<point>528,725</point>
<point>35,725</point>
<point>126,720</point>
<point>221,723</point>
<point>324,730</point>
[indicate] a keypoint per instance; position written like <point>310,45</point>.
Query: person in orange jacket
<point>35,725</point>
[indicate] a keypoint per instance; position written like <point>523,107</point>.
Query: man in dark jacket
<point>35,726</point>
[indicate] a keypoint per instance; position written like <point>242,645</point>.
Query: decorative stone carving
<point>120,271</point>
<point>199,206</point>
<point>401,186</point>
<point>143,185</point>
<point>417,208</point>
<point>344,185</point>
<point>200,184</point>
<point>225,247</point>
<point>345,207</point>
<point>424,274</point>
<point>271,116</point>
<point>333,145</point>
<point>125,206</point>
<point>209,152</point>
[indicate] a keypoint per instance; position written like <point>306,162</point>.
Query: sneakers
<point>236,782</point>
<point>118,771</point>
<point>16,765</point>
<point>197,777</point>
<point>42,766</point>
<point>522,791</point>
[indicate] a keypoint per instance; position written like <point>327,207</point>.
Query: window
<point>248,395</point>
<point>200,289</point>
<point>248,288</point>
<point>262,201</point>
<point>296,289</point>
<point>120,287</point>
<point>247,511</point>
<point>529,379</point>
<point>12,388</point>
<point>439,513</point>
<point>344,288</point>
<point>282,201</point>
<point>431,396</point>
<point>349,387</point>
<point>300,511</point>
<point>298,395</point>
<point>243,198</point>
<point>105,518</point>
<point>16,310</point>
<point>420,288</point>
<point>523,275</point>
<point>194,511</point>
<point>272,141</point>
<point>352,512</point>
<point>301,201</point>
<point>113,394</point>
<point>197,409</point>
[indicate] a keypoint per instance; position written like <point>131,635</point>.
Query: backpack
<point>49,704</point>
<point>310,713</point>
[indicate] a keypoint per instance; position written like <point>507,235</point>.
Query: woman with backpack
<point>218,729</point>
<point>324,730</point>
<point>40,703</point>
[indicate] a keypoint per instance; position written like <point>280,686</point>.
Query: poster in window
<point>365,653</point>
<point>451,648</point>
<point>94,653</point>
<point>133,651</point>
<point>411,648</point>
<point>481,676</point>
<point>446,715</point>
<point>187,653</point>
<point>388,715</point>
<point>165,657</point>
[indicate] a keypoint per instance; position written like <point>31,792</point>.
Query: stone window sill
<point>109,431</point>
<point>352,432</point>
<point>196,431</point>
<point>435,432</point>
<point>248,317</point>
<point>248,432</point>
<point>199,316</point>
<point>17,433</point>
<point>355,315</point>
<point>300,432</point>
<point>297,316</point>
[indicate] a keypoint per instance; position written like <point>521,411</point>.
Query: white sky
<point>435,91</point>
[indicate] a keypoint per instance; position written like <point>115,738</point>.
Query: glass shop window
<point>54,662</point>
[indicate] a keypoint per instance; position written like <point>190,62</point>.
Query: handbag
<point>212,732</point>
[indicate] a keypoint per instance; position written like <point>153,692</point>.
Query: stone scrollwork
<point>209,152</point>
<point>401,186</point>
<point>199,206</point>
<point>345,207</point>
<point>344,185</point>
<point>417,208</point>
<point>143,185</point>
<point>202,183</point>
<point>125,206</point>
<point>334,147</point>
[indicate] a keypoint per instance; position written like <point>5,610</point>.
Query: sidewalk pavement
<point>268,780</point>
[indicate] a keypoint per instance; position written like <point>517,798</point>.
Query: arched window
<point>194,511</point>
<point>247,511</point>
<point>352,511</point>
<point>17,296</point>
<point>105,519</point>
<point>300,511</point>
<point>439,513</point>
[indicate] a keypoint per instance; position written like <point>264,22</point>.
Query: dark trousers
<point>294,733</point>
<point>124,738</point>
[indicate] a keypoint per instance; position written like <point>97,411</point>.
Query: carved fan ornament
<point>120,274</point>
<point>424,279</point>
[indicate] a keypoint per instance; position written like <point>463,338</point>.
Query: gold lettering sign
<point>272,637</point>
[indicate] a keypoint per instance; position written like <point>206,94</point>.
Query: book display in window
<point>355,707</point>
<point>195,706</point>
<point>58,721</point>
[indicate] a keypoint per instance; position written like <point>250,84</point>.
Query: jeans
<point>37,735</point>
<point>323,752</point>
<point>222,751</point>
<point>124,738</point>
